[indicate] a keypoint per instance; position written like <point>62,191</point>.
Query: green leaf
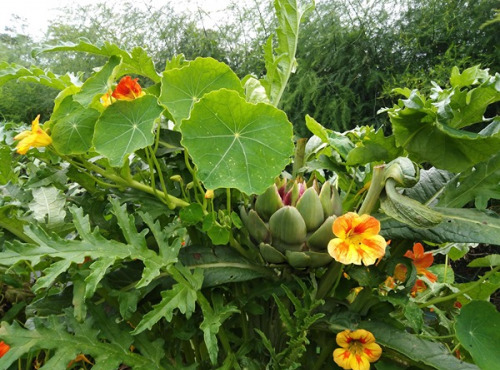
<point>430,187</point>
<point>48,206</point>
<point>481,292</point>
<point>480,184</point>
<point>491,260</point>
<point>182,87</point>
<point>6,167</point>
<point>254,91</point>
<point>414,315</point>
<point>281,63</point>
<point>191,214</point>
<point>34,74</point>
<point>373,147</point>
<point>136,62</point>
<point>212,321</point>
<point>227,138</point>
<point>222,265</point>
<point>125,127</point>
<point>420,351</point>
<point>478,330</point>
<point>317,129</point>
<point>12,223</point>
<point>182,296</point>
<point>73,127</point>
<point>219,235</point>
<point>66,342</point>
<point>458,225</point>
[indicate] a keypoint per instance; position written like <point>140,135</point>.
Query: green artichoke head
<point>292,222</point>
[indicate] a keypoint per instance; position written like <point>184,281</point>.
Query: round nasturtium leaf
<point>73,127</point>
<point>236,144</point>
<point>182,87</point>
<point>478,330</point>
<point>126,126</point>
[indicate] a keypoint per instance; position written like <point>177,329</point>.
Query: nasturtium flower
<point>419,287</point>
<point>357,240</point>
<point>4,348</point>
<point>107,99</point>
<point>400,272</point>
<point>128,89</point>
<point>35,138</point>
<point>358,349</point>
<point>421,261</point>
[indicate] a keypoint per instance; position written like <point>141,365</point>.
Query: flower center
<point>356,347</point>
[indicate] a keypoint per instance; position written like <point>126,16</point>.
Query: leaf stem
<point>330,279</point>
<point>458,294</point>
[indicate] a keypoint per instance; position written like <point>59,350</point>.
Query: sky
<point>38,13</point>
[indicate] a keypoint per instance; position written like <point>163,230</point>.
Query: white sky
<point>38,13</point>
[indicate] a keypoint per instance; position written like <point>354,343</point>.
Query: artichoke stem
<point>330,279</point>
<point>376,187</point>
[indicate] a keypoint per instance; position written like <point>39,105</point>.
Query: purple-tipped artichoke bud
<point>255,226</point>
<point>287,228</point>
<point>293,195</point>
<point>319,240</point>
<point>271,254</point>
<point>268,203</point>
<point>309,206</point>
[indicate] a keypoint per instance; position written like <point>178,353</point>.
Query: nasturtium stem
<point>193,174</point>
<point>473,286</point>
<point>376,187</point>
<point>160,175</point>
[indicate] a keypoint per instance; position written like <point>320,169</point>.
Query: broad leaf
<point>222,265</point>
<point>430,186</point>
<point>125,127</point>
<point>479,184</point>
<point>228,138</point>
<point>182,87</point>
<point>416,349</point>
<point>136,62</point>
<point>478,330</point>
<point>458,225</point>
<point>373,147</point>
<point>99,83</point>
<point>73,127</point>
<point>48,206</point>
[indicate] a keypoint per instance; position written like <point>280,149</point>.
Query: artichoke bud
<point>287,228</point>
<point>256,227</point>
<point>298,259</point>
<point>319,259</point>
<point>320,238</point>
<point>309,206</point>
<point>268,203</point>
<point>326,198</point>
<point>271,254</point>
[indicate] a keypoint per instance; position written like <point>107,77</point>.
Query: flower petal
<point>359,362</point>
<point>367,225</point>
<point>342,357</point>
<point>344,338</point>
<point>372,351</point>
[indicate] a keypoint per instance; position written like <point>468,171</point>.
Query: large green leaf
<point>73,127</point>
<point>222,265</point>
<point>373,147</point>
<point>182,87</point>
<point>99,83</point>
<point>416,349</point>
<point>479,184</point>
<point>136,62</point>
<point>236,144</point>
<point>478,330</point>
<point>458,225</point>
<point>125,127</point>
<point>48,206</point>
<point>430,129</point>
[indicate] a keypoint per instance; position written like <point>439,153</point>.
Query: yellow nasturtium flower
<point>357,240</point>
<point>358,349</point>
<point>32,139</point>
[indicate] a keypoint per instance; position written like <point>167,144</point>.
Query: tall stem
<point>376,187</point>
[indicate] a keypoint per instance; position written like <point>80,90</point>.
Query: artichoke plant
<point>293,224</point>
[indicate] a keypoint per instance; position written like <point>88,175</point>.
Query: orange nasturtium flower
<point>4,348</point>
<point>421,261</point>
<point>357,240</point>
<point>128,89</point>
<point>358,349</point>
<point>35,138</point>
